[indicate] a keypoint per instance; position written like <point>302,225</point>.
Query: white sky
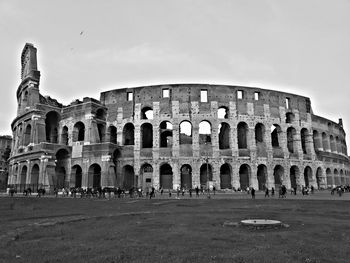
<point>296,46</point>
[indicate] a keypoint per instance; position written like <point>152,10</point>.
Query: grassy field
<point>171,230</point>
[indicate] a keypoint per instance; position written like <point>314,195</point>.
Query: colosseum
<point>170,136</point>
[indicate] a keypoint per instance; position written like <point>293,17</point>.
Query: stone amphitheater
<point>170,136</point>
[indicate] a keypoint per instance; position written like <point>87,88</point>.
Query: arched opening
<point>94,176</point>
<point>23,179</point>
<point>275,135</point>
<point>319,177</point>
<point>278,173</point>
<point>291,138</point>
<point>304,134</point>
<point>51,126</point>
<point>112,131</point>
<point>77,176</point>
<point>242,135</point>
<point>146,175</point>
<point>337,143</point>
<point>101,132</point>
<point>332,144</point>
<point>116,158</point>
<point>185,132</point>
<point>128,177</point>
<point>147,135</point>
<point>34,182</point>
<point>166,134</point>
<point>336,177</point>
<point>289,117</point>
<point>224,136</point>
<point>260,139</point>
<point>128,134</point>
<point>317,140</point>
<point>147,113</point>
<point>342,179</point>
<point>166,176</point>
<point>329,177</point>
<point>62,161</point>
<point>262,176</point>
<point>223,113</point>
<point>244,175</point>
<point>294,174</point>
<point>27,134</point>
<point>78,132</point>
<point>225,176</point>
<point>101,114</point>
<point>307,176</point>
<point>64,135</point>
<point>204,132</point>
<point>325,142</point>
<point>206,174</point>
<point>186,176</point>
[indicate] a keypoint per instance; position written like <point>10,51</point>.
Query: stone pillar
<point>235,175</point>
<point>253,180</point>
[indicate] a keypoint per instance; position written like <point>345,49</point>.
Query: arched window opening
<point>307,176</point>
<point>262,176</point>
<point>186,176</point>
<point>329,177</point>
<point>79,132</point>
<point>112,131</point>
<point>242,135</point>
<point>77,176</point>
<point>332,144</point>
<point>304,134</point>
<point>325,142</point>
<point>34,182</point>
<point>225,176</point>
<point>166,134</point>
<point>147,135</point>
<point>128,134</point>
<point>94,176</point>
<point>224,136</point>
<point>223,113</point>
<point>244,176</point>
<point>62,162</point>
<point>317,140</point>
<point>23,179</point>
<point>101,132</point>
<point>146,175</point>
<point>147,113</point>
<point>291,134</point>
<point>336,177</point>
<point>260,139</point>
<point>294,174</point>
<point>278,174</point>
<point>128,177</point>
<point>64,135</point>
<point>101,114</point>
<point>275,135</point>
<point>289,117</point>
<point>319,177</point>
<point>185,132</point>
<point>206,174</point>
<point>166,176</point>
<point>51,126</point>
<point>27,134</point>
<point>204,132</point>
<point>337,143</point>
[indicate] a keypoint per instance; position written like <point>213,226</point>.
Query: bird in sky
<point>81,32</point>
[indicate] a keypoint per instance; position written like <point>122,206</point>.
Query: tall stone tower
<point>28,90</point>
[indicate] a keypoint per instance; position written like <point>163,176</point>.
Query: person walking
<point>267,194</point>
<point>252,191</point>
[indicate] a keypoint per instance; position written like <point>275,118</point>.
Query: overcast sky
<point>85,47</point>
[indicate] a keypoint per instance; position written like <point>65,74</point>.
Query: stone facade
<point>178,135</point>
<point>5,149</point>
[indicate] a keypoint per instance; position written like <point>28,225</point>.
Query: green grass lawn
<point>163,230</point>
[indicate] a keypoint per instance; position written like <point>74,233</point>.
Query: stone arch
<point>128,134</point>
<point>128,177</point>
<point>329,177</point>
<point>224,136</point>
<point>23,178</point>
<point>337,143</point>
<point>319,177</point>
<point>332,144</point>
<point>186,176</point>
<point>244,176</point>
<point>276,132</point>
<point>77,176</point>
<point>294,175</point>
<point>260,139</point>
<point>325,142</point>
<point>291,139</point>
<point>79,132</point>
<point>262,176</point>
<point>336,177</point>
<point>242,135</point>
<point>290,117</point>
<point>147,113</point>
<point>34,182</point>
<point>64,135</point>
<point>278,175</point>
<point>166,134</point>
<point>101,128</point>
<point>317,140</point>
<point>166,176</point>
<point>307,176</point>
<point>204,132</point>
<point>27,135</point>
<point>206,174</point>
<point>146,172</point>
<point>342,179</point>
<point>304,135</point>
<point>101,114</point>
<point>51,126</point>
<point>112,131</point>
<point>62,158</point>
<point>94,176</point>
<point>185,132</point>
<point>225,176</point>
<point>223,112</point>
<point>146,135</point>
